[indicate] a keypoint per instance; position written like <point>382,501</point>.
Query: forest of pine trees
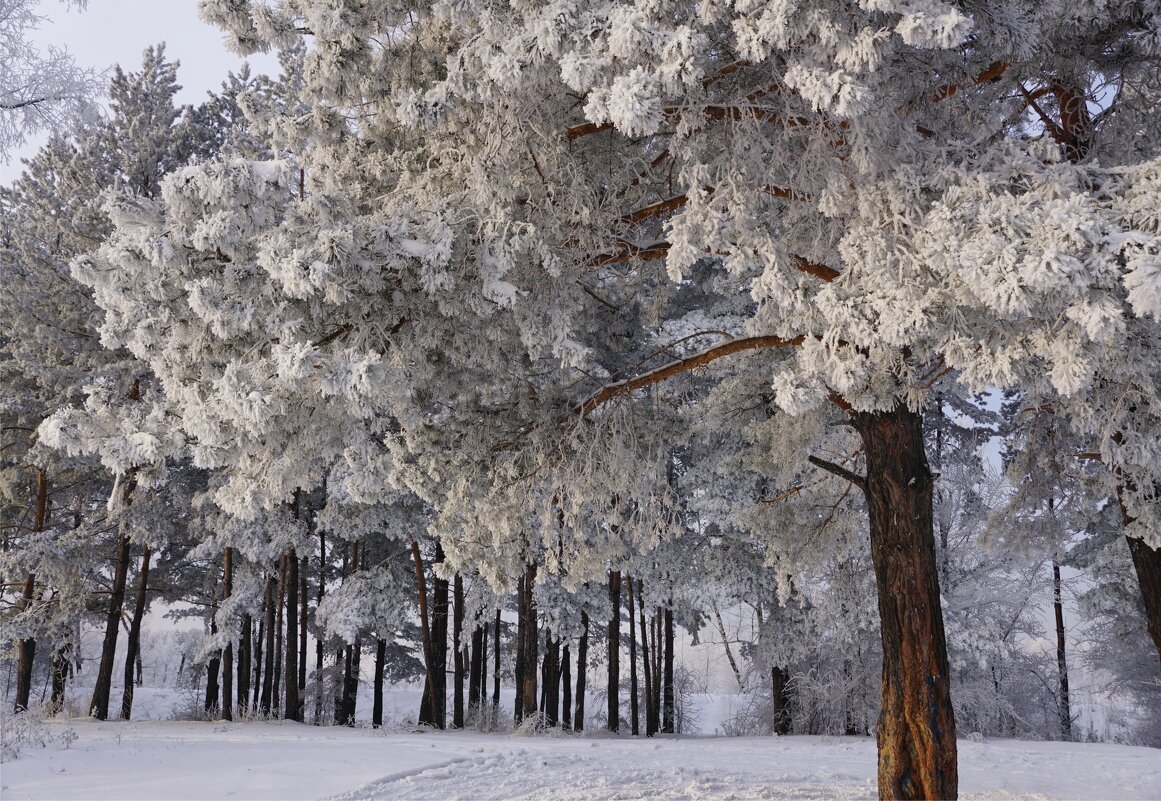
<point>528,347</point>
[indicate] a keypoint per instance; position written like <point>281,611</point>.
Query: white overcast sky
<point>112,32</point>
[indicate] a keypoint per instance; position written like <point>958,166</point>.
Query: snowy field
<point>189,760</point>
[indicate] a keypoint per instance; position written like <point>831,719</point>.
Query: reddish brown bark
<point>916,733</point>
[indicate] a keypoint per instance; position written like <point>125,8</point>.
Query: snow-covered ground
<point>189,760</point>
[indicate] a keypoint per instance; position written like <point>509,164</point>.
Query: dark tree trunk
<point>518,709</point>
<point>634,709</point>
<point>213,688</point>
<point>259,639</point>
<point>268,624</point>
<point>582,667</point>
<point>100,707</point>
<point>377,705</point>
<point>551,691</point>
<point>279,642</point>
<point>565,688</point>
<point>658,655</point>
<point>27,655</point>
<point>1064,706</point>
<point>351,683</point>
<point>916,732</point>
<point>27,647</point>
<point>614,680</point>
<point>650,728</point>
<point>292,708</point>
<point>303,614</point>
<point>531,640</point>
<point>496,666</point>
<point>228,651</point>
<point>245,645</point>
<point>458,649</point>
<point>1147,564</point>
<point>427,705</point>
<point>62,664</point>
<point>483,673</point>
<point>439,633</point>
<point>133,642</point>
<point>668,700</point>
<point>475,671</point>
<point>779,678</point>
<point>319,648</point>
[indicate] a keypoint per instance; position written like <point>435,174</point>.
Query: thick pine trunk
<point>1147,563</point>
<point>550,694</point>
<point>62,664</point>
<point>457,648</point>
<point>582,669</point>
<point>916,732</point>
<point>377,703</point>
<point>483,675</point>
<point>530,643</point>
<point>27,652</point>
<point>351,683</point>
<point>303,615</point>
<point>213,688</point>
<point>439,620</point>
<point>475,672</point>
<point>319,652</point>
<point>518,708</point>
<point>614,680</point>
<point>496,666</point>
<point>779,679</point>
<point>279,640</point>
<point>133,643</point>
<point>634,708</point>
<point>668,724</point>
<point>292,708</point>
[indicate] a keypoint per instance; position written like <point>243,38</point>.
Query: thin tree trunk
<point>279,641</point>
<point>351,683</point>
<point>27,647</point>
<point>439,632</point>
<point>566,688</point>
<point>1065,708</point>
<point>268,624</point>
<point>303,614</point>
<point>245,645</point>
<point>634,708</point>
<point>916,732</point>
<point>377,705</point>
<point>779,679</point>
<point>550,693</point>
<point>668,700</point>
<point>650,729</point>
<point>213,688</point>
<point>319,648</point>
<point>483,672</point>
<point>228,651</point>
<point>614,680</point>
<point>726,643</point>
<point>457,647</point>
<point>133,643</point>
<point>292,708</point>
<point>530,642</point>
<point>475,668</point>
<point>521,633</point>
<point>582,666</point>
<point>100,706</point>
<point>427,706</point>
<point>658,654</point>
<point>496,666</point>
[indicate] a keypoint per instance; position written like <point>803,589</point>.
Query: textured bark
<point>530,642</point>
<point>614,680</point>
<point>483,672</point>
<point>377,704</point>
<point>292,708</point>
<point>779,678</point>
<point>668,720</point>
<point>303,616</point>
<point>319,647</point>
<point>279,640</point>
<point>1064,706</point>
<point>133,642</point>
<point>634,708</point>
<point>351,683</point>
<point>518,709</point>
<point>496,666</point>
<point>582,669</point>
<point>213,687</point>
<point>916,732</point>
<point>650,728</point>
<point>458,650</point>
<point>439,620</point>
<point>551,692</point>
<point>1147,563</point>
<point>62,665</point>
